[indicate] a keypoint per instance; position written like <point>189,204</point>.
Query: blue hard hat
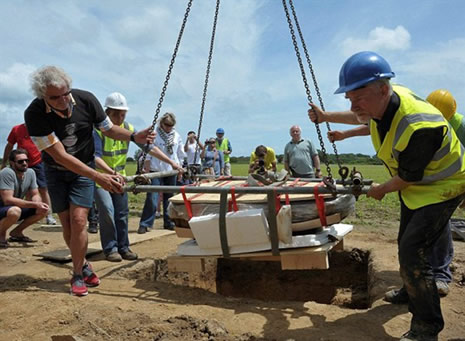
<point>361,69</point>
<point>220,131</point>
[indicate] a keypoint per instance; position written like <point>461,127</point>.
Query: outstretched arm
<point>317,115</point>
<point>339,135</point>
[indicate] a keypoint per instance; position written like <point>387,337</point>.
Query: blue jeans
<point>113,218</point>
<point>151,202</point>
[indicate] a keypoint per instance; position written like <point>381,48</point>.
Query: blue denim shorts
<point>66,187</point>
<point>25,212</point>
<point>39,169</point>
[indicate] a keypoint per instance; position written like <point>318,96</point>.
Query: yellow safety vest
<point>444,176</point>
<point>114,151</point>
<point>223,146</point>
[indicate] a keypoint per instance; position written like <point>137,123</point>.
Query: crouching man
<point>18,182</point>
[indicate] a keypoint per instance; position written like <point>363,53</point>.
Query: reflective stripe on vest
<point>114,152</point>
<point>223,146</point>
<point>444,176</point>
<point>458,124</point>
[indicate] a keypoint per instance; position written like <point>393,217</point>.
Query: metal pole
<point>367,182</point>
<point>149,176</point>
<point>255,190</point>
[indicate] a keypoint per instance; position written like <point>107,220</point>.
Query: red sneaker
<point>90,277</point>
<point>78,287</point>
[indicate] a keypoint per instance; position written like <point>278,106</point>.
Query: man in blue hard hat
<point>223,144</point>
<point>426,162</point>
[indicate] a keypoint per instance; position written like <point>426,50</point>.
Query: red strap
<point>288,201</point>
<point>320,204</point>
<point>292,184</point>
<point>277,201</point>
<point>233,202</point>
<point>187,202</point>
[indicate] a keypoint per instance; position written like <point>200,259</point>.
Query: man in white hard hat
<point>110,158</point>
<point>60,121</point>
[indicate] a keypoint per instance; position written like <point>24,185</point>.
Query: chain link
<point>312,72</point>
<point>165,85</point>
<point>307,89</point>
<point>207,75</point>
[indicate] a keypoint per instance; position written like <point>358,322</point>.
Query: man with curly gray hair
<point>60,122</point>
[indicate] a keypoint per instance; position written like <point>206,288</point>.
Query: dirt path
<point>130,305</point>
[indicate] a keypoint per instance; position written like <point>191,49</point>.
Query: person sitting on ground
<point>212,159</point>
<point>262,159</point>
<point>20,136</point>
<point>300,157</point>
<point>18,182</point>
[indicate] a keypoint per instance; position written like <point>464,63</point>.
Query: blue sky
<point>255,90</point>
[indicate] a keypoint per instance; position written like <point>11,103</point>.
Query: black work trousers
<point>419,230</point>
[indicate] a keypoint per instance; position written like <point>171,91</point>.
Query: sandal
<point>21,239</point>
<point>3,244</point>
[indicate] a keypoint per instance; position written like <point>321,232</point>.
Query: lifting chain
<point>304,79</point>
<point>315,83</point>
<point>140,165</point>
<point>207,75</point>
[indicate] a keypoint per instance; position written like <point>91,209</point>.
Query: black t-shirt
<point>75,132</point>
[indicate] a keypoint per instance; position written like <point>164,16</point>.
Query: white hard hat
<point>117,101</point>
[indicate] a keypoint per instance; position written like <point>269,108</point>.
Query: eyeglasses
<point>168,125</point>
<point>54,98</point>
<point>22,161</point>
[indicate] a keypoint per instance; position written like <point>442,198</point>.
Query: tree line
<point>345,158</point>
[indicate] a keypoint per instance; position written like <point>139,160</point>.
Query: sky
<point>255,90</point>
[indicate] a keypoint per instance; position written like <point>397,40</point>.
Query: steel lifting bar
<point>254,190</point>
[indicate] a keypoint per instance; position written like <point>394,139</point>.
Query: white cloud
<point>14,83</point>
<point>380,38</point>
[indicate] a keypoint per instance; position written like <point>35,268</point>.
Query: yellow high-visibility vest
<point>114,151</point>
<point>444,176</point>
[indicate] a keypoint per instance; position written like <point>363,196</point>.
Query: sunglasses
<point>168,125</point>
<point>22,161</point>
<point>54,98</point>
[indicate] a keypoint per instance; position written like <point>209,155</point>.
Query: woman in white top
<point>170,142</point>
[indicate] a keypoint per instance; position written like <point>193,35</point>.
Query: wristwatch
<point>318,169</point>
<point>132,137</point>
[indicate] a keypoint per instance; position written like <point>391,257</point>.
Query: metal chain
<point>207,75</point>
<point>312,72</point>
<point>307,89</point>
<point>165,84</point>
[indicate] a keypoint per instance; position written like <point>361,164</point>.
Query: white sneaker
<point>51,220</point>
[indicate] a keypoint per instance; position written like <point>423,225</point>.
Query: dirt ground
<point>129,305</point>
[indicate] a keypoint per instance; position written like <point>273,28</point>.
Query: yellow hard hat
<point>444,102</point>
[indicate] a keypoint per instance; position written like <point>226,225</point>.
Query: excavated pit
<point>347,282</point>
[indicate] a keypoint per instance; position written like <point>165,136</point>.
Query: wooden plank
<point>339,246</point>
<point>293,259</point>
<point>64,255</point>
<point>185,264</point>
<point>310,224</point>
<point>184,232</point>
<point>316,260</point>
